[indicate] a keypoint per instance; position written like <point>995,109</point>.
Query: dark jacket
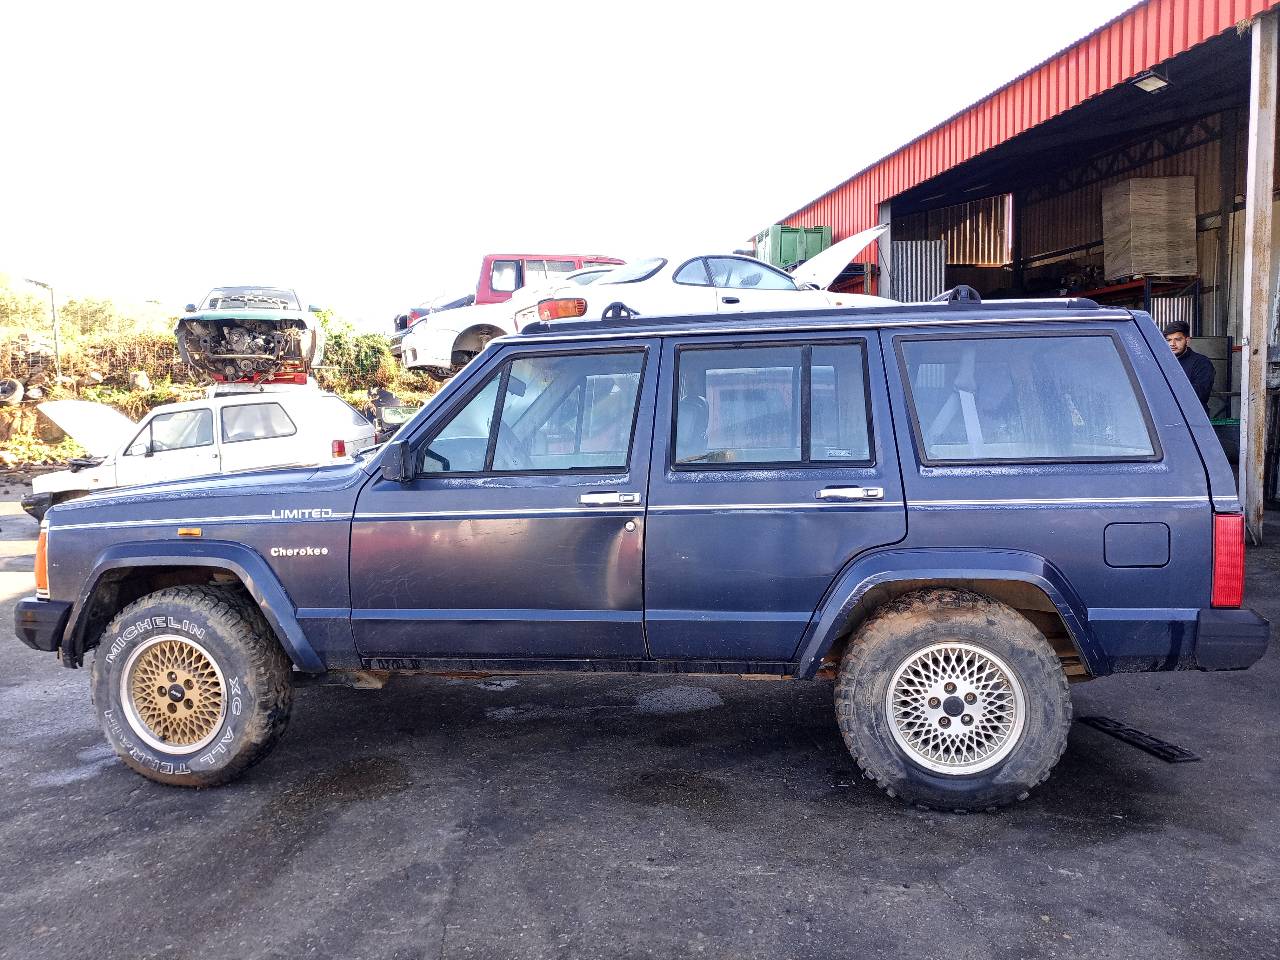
<point>1199,370</point>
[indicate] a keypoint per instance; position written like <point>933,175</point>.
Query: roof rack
<point>901,313</point>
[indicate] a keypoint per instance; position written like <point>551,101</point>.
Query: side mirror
<point>397,464</point>
<point>313,308</point>
<point>190,308</point>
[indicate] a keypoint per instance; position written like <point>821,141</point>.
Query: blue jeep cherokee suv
<point>953,510</point>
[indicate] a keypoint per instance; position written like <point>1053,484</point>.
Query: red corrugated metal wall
<point>1133,42</point>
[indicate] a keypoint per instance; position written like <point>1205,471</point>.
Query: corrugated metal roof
<point>1137,40</point>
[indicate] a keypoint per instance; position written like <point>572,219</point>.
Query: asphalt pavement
<point>594,816</point>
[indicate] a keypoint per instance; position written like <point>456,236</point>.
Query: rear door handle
<point>851,493</point>
<point>730,300</point>
<point>610,499</point>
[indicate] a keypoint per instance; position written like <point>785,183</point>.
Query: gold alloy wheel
<point>173,694</point>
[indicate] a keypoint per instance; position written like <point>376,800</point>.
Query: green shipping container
<point>785,246</point>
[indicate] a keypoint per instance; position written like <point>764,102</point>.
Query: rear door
<point>774,466</point>
<point>259,435</point>
<point>521,536</point>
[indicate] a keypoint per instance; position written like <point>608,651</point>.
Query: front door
<point>749,286</point>
<point>522,533</point>
<point>170,446</point>
<point>774,465</point>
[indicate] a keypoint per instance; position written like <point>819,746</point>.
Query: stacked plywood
<point>1149,228</point>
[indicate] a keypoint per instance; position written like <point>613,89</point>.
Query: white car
<point>443,341</point>
<point>720,283</point>
<point>220,434</point>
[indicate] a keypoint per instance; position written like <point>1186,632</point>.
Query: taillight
<point>561,309</point>
<point>1228,559</point>
<point>339,448</point>
<point>42,561</point>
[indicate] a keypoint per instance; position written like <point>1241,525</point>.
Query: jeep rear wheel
<point>190,686</point>
<point>952,701</point>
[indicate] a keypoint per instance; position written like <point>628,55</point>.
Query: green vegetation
<point>26,450</point>
<point>103,349</point>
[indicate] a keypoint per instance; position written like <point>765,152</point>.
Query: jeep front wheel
<point>190,686</point>
<point>952,701</point>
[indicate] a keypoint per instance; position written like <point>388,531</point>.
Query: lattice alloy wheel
<point>955,708</point>
<point>173,693</point>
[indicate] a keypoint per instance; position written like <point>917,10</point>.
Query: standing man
<point>1197,367</point>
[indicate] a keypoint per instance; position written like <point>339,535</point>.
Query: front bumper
<point>1230,639</point>
<point>40,624</point>
<point>427,345</point>
<point>37,504</point>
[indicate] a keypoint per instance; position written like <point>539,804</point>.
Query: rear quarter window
<point>342,412</point>
<point>1029,398</point>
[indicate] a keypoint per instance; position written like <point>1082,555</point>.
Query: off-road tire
<point>256,690</point>
<point>912,623</point>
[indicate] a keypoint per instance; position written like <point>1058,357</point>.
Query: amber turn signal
<point>561,309</point>
<point>42,562</point>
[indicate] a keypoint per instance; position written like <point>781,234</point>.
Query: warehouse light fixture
<point>1150,81</point>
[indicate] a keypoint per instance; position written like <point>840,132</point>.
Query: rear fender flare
<point>840,604</point>
<point>247,565</point>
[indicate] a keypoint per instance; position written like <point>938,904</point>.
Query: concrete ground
<point>586,816</point>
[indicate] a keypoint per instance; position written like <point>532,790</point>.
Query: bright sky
<point>369,154</point>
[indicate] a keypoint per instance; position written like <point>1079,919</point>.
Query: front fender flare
<point>249,566</point>
<point>871,570</point>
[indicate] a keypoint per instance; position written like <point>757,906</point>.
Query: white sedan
<point>702,284</point>
<point>440,343</point>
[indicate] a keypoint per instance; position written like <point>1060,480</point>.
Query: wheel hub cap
<point>955,708</point>
<point>172,691</point>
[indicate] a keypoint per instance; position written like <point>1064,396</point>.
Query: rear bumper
<point>40,624</point>
<point>1229,639</point>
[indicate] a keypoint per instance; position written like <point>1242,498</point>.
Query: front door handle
<point>851,493</point>
<point>610,499</point>
<point>730,300</point>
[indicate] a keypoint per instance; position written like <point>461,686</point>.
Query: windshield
<point>634,272</point>
<point>261,298</point>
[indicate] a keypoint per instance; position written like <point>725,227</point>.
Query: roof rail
<point>890,313</point>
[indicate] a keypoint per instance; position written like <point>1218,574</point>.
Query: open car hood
<point>98,428</point>
<point>823,269</point>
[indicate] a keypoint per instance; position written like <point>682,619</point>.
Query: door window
<point>461,446</point>
<point>1024,399</point>
<point>255,421</point>
<point>694,273</point>
<point>545,413</point>
<point>504,276</point>
<point>793,404</point>
<point>739,274</point>
<point>179,430</point>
